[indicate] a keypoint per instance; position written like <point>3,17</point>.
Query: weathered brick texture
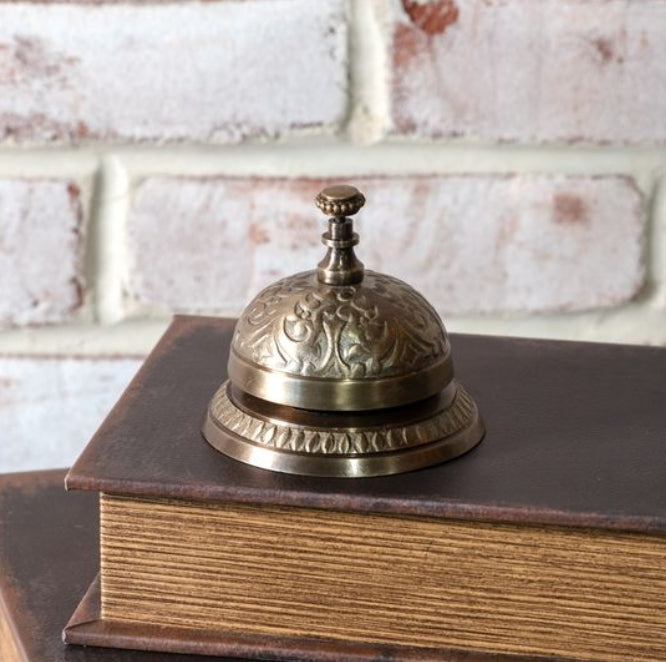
<point>40,251</point>
<point>520,70</point>
<point>49,407</point>
<point>471,244</point>
<point>208,71</point>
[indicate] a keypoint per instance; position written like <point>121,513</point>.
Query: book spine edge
<point>10,640</point>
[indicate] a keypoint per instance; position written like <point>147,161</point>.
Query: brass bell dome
<point>340,371</point>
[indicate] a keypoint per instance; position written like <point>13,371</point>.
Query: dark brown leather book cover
<point>576,436</point>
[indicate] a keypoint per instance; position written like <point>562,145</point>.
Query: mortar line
<point>656,243</point>
<point>106,243</point>
<point>387,156</point>
<point>368,91</point>
<point>381,161</point>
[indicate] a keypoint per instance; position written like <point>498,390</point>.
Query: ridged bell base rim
<point>311,444</point>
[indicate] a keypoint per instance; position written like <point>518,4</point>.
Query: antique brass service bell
<point>341,371</point>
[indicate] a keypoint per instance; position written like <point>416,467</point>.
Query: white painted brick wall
<point>519,70</point>
<point>217,71</point>
<point>41,251</point>
<point>161,156</point>
<point>50,406</point>
<point>471,244</point>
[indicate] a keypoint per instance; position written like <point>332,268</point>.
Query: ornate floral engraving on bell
<point>341,371</point>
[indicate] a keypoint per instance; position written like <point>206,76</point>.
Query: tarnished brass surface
<point>340,265</point>
<point>340,200</point>
<point>369,346</point>
<point>341,371</point>
<point>345,448</point>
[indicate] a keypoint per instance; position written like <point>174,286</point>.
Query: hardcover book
<point>548,539</point>
<point>49,553</point>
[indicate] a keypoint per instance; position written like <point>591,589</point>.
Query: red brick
<point>471,244</point>
<point>519,70</point>
<point>41,276</point>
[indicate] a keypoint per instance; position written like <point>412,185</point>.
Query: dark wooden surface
<point>48,557</point>
<point>576,435</point>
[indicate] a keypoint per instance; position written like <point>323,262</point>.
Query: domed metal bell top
<point>341,371</point>
<point>340,338</point>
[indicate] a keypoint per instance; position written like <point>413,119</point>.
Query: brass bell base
<point>342,444</point>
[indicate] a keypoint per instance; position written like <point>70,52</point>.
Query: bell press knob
<point>340,265</point>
